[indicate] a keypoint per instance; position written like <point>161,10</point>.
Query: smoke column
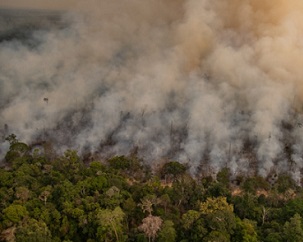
<point>206,82</point>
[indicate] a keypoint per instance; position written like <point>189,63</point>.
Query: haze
<point>39,4</point>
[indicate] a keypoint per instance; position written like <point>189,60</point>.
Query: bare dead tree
<point>150,226</point>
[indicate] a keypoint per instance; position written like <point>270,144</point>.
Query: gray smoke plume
<point>208,83</point>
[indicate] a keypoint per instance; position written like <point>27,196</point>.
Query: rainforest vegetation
<point>52,198</point>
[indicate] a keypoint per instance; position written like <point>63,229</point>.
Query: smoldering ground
<point>208,83</point>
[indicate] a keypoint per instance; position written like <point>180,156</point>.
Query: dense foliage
<point>49,198</point>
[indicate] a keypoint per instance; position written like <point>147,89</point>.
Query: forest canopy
<point>47,197</point>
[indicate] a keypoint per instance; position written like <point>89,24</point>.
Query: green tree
<point>6,178</point>
<point>219,217</point>
<point>110,222</point>
<point>217,236</point>
<point>216,189</point>
<point>272,231</point>
<point>70,165</point>
<point>168,232</point>
<point>284,183</point>
<point>247,206</point>
<point>183,193</point>
<point>245,231</point>
<point>16,150</point>
<point>293,230</point>
<point>173,169</point>
<point>65,191</point>
<point>252,184</point>
<point>189,218</point>
<point>212,205</point>
<point>223,177</point>
<point>193,226</point>
<point>165,201</point>
<point>95,168</point>
<point>113,197</point>
<point>120,163</point>
<point>32,230</point>
<point>14,213</point>
<point>292,207</point>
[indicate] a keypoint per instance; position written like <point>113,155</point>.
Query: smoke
<point>37,4</point>
<point>208,83</point>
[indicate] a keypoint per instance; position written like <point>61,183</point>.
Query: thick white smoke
<point>211,83</point>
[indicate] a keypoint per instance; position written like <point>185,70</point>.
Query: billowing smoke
<point>206,82</point>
